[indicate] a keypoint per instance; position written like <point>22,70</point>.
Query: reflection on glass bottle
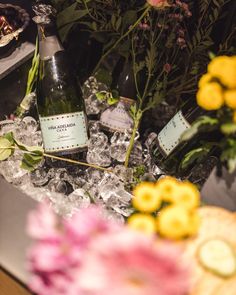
<point>59,99</point>
<point>117,118</point>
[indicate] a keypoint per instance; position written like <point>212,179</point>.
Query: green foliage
<point>204,122</point>
<point>32,156</point>
<point>5,148</point>
<point>33,72</point>
<point>229,154</point>
<point>228,128</point>
<point>110,97</point>
<point>196,155</point>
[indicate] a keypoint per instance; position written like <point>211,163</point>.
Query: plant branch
<point>122,37</point>
<point>77,162</point>
<point>58,158</point>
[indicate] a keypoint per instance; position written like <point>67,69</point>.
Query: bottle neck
<point>49,43</point>
<point>123,77</point>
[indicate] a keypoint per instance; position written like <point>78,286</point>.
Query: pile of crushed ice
<point>74,187</point>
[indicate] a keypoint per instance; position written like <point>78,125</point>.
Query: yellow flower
<point>224,68</point>
<point>230,98</point>
<point>204,80</point>
<point>187,196</point>
<point>210,96</point>
<point>146,197</point>
<point>142,222</point>
<point>194,223</point>
<point>217,64</point>
<point>173,222</point>
<point>167,187</point>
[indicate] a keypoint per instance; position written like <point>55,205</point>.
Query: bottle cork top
<point>44,13</point>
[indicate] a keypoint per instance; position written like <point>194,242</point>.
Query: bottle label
<point>170,135</point>
<point>118,118</point>
<point>64,132</point>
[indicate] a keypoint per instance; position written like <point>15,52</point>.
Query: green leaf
<point>207,122</point>
<point>229,154</point>
<point>5,148</point>
<point>194,155</point>
<point>112,100</point>
<point>101,96</point>
<point>129,18</point>
<point>104,76</point>
<point>133,111</point>
<point>30,161</point>
<point>10,137</point>
<point>70,15</point>
<point>228,128</point>
<point>64,31</point>
<point>36,150</point>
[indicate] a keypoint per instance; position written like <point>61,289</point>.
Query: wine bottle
<point>167,149</point>
<point>59,99</point>
<point>118,118</point>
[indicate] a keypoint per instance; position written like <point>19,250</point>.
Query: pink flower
<point>158,3</point>
<point>87,224</point>
<point>167,68</point>
<point>131,264</point>
<point>90,255</point>
<point>42,223</point>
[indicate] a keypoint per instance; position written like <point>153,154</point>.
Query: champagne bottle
<point>59,99</point>
<point>117,118</point>
<point>167,148</point>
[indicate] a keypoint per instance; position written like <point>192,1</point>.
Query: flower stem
<point>59,158</point>
<point>122,37</point>
<point>76,162</point>
<point>131,143</point>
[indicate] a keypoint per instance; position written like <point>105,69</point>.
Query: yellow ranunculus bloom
<point>210,96</point>
<point>230,98</point>
<point>206,78</point>
<point>173,222</point>
<point>187,195</point>
<point>167,187</point>
<point>142,222</point>
<point>194,223</point>
<point>217,64</point>
<point>224,68</point>
<point>146,197</point>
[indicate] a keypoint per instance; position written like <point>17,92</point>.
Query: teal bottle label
<point>64,132</point>
<point>170,135</point>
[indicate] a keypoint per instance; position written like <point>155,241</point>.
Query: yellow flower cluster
<point>218,86</point>
<point>167,207</point>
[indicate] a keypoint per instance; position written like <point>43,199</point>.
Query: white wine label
<point>118,118</point>
<point>170,135</point>
<point>64,132</point>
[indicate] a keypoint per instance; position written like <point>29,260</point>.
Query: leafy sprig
<point>32,156</point>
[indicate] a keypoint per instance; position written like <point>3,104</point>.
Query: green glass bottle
<point>168,150</point>
<point>60,102</point>
<point>117,117</point>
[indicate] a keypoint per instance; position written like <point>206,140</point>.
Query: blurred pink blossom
<point>43,224</point>
<point>90,255</point>
<point>130,263</point>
